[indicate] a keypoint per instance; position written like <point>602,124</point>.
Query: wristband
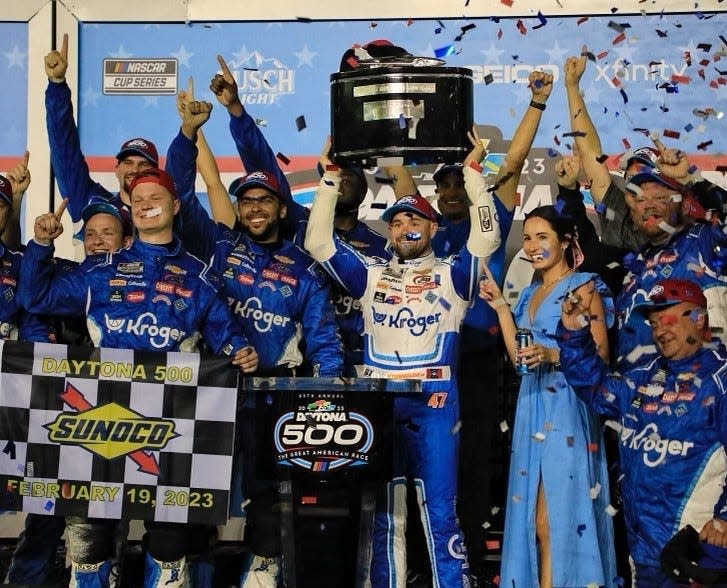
<point>538,105</point>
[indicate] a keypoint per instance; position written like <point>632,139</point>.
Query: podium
<point>328,442</point>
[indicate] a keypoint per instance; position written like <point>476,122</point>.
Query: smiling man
<point>677,247</point>
<point>671,416</point>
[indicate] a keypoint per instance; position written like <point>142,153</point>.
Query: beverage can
<point>523,338</point>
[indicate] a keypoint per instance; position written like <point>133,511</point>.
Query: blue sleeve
<point>69,165</point>
<point>256,155</point>
<point>606,393</point>
<point>465,273</point>
<point>42,290</point>
<point>196,229</point>
<point>348,267</point>
<point>219,328</point>
<point>323,345</point>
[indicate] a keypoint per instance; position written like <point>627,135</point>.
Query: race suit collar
<point>157,250</point>
<point>423,261</point>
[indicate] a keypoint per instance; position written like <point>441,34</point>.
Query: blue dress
<point>557,439</point>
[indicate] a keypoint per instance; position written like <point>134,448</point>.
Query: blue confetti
<point>689,127</point>
<point>552,152</point>
<point>444,51</point>
<point>9,449</point>
<point>48,506</point>
<point>580,530</point>
<point>559,205</point>
<point>601,208</point>
<point>444,303</point>
<point>402,121</point>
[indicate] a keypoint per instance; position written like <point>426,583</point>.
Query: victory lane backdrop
<point>116,433</point>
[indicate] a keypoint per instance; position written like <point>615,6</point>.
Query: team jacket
<point>691,254</point>
<point>15,321</point>
<point>672,422</point>
<point>256,154</point>
<point>278,294</point>
<point>147,297</point>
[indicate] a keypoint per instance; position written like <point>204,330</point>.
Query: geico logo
<point>145,325</point>
<point>507,74</point>
<point>344,303</point>
<point>405,319</point>
<point>77,429</point>
<point>654,448</point>
<point>628,72</point>
<point>252,309</point>
<point>293,434</point>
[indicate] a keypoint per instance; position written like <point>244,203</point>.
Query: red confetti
<point>556,140</point>
<point>492,544</point>
<point>700,73</point>
<point>593,447</point>
<point>675,79</point>
<point>521,27</point>
<point>410,22</point>
<point>499,34</point>
<point>352,61</point>
<point>581,20</point>
<point>282,158</point>
<point>618,39</point>
<point>688,58</point>
<point>703,146</point>
<point>671,134</point>
<point>626,143</point>
<point>506,2</point>
<point>616,82</point>
<point>601,55</point>
<point>373,25</point>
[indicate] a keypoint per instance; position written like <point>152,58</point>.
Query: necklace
<point>549,285</point>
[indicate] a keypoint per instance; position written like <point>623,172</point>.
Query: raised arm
<point>508,178</point>
<point>587,139</point>
<point>69,165</point>
<point>220,204</point>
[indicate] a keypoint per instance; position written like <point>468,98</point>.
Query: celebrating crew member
<point>173,323</point>
<point>280,299</point>
<point>414,307</point>
<point>672,422</point>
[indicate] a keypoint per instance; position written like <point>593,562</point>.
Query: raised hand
<point>48,226</point>
<point>478,149</point>
<point>489,290</point>
<point>225,88</point>
<point>541,85</point>
<point>184,97</point>
<point>576,307</point>
<point>56,62</point>
<point>672,162</point>
<point>19,177</point>
<point>567,170</point>
<point>574,68</point>
<point>196,113</point>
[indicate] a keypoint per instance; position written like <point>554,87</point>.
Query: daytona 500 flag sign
<point>115,433</point>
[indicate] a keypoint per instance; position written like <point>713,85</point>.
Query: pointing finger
<point>61,207</point>
<point>64,47</point>
<point>190,88</point>
<point>223,65</point>
<point>657,143</point>
<point>26,158</point>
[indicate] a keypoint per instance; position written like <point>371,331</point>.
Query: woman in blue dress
<point>558,530</point>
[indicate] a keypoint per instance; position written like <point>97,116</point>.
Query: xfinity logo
<point>252,309</point>
<point>145,325</point>
<point>624,71</point>
<point>654,448</point>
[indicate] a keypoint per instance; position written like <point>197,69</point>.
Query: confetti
<point>503,426</point>
<point>521,27</point>
<point>618,39</point>
<point>595,491</point>
<point>506,2</point>
<point>539,436</point>
<point>282,158</point>
<point>300,123</point>
<point>672,134</point>
<point>444,51</point>
<point>48,506</point>
<point>580,529</point>
<point>261,122</point>
<point>543,21</point>
<point>9,449</point>
<point>703,146</point>
<point>455,429</point>
<point>676,79</point>
<point>492,544</point>
<point>611,511</point>
<point>245,502</point>
<point>581,20</point>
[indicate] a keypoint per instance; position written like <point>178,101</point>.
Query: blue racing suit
<point>256,154</point>
<point>149,298</point>
<point>690,254</point>
<point>672,423</point>
<point>412,312</point>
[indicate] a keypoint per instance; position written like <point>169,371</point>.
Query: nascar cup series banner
<point>664,73</point>
<point>114,433</point>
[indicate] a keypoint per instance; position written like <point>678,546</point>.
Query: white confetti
<point>611,511</point>
<point>503,427</point>
<point>456,428</point>
<point>666,227</point>
<point>495,509</point>
<point>595,491</point>
<point>153,212</point>
<point>539,436</point>
<point>615,425</point>
<point>245,502</point>
<point>486,525</point>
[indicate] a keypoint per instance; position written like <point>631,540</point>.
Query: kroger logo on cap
<point>656,291</point>
<point>137,143</point>
<point>407,200</point>
<point>258,175</point>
